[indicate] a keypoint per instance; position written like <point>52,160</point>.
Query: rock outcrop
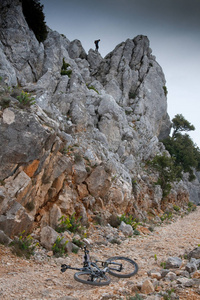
<point>82,146</point>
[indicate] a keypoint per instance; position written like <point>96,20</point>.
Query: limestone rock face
<point>23,139</point>
<point>20,45</point>
<point>82,147</point>
<point>133,77</point>
<point>7,71</point>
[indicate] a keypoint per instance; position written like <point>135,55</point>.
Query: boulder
<point>147,287</point>
<point>186,282</point>
<point>76,50</point>
<point>173,262</point>
<point>126,229</point>
<point>48,237</point>
<point>4,239</point>
<point>15,219</point>
<point>54,216</point>
<point>195,253</point>
<point>191,267</point>
<point>171,276</point>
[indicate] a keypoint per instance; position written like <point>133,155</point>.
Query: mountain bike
<point>94,273</point>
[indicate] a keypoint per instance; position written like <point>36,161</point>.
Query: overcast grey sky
<point>172,26</point>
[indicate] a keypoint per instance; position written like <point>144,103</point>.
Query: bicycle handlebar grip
<point>63,270</point>
<point>64,267</point>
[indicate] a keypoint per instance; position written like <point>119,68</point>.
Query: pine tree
<point>33,12</point>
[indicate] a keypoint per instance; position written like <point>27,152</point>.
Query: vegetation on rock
<point>168,172</point>
<point>181,147</point>
<point>59,248</point>
<point>25,99</point>
<point>23,245</point>
<point>69,223</point>
<point>64,69</point>
<point>33,12</point>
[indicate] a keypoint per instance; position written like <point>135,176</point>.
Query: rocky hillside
<point>83,144</point>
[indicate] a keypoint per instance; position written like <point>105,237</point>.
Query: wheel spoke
<point>90,278</point>
<point>123,267</point>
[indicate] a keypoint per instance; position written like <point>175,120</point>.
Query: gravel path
<point>30,279</point>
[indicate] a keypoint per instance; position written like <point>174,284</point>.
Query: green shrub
<point>59,248</point>
<point>88,169</point>
<point>191,207</point>
<point>77,157</point>
<point>30,206</point>
<point>64,70</point>
<point>190,204</point>
<point>136,232</point>
<point>132,95</point>
<point>23,245</point>
<point>69,223</point>
<point>151,228</point>
<point>75,250</point>
<point>33,12</point>
<point>176,207</point>
<point>115,241</point>
<point>163,265</point>
<point>129,220</point>
<point>78,243</point>
<point>136,297</point>
<point>168,294</point>
<point>168,172</point>
<point>165,90</point>
<point>5,102</point>
<point>167,215</point>
<point>25,99</point>
<point>91,87</point>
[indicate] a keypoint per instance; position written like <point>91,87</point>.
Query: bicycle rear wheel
<point>122,267</point>
<point>88,278</point>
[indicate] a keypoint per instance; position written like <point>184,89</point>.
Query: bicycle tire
<point>128,265</point>
<point>104,280</point>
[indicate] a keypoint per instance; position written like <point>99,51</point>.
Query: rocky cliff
<point>83,146</point>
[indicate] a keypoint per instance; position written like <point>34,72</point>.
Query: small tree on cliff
<point>181,147</point>
<point>167,172</point>
<point>179,124</point>
<point>33,12</point>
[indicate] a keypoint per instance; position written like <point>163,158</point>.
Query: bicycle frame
<point>87,265</point>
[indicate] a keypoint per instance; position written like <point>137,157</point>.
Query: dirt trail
<point>27,279</point>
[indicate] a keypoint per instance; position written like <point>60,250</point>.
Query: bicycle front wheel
<point>88,278</point>
<point>122,267</point>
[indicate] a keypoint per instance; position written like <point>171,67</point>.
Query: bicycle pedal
<point>63,270</point>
